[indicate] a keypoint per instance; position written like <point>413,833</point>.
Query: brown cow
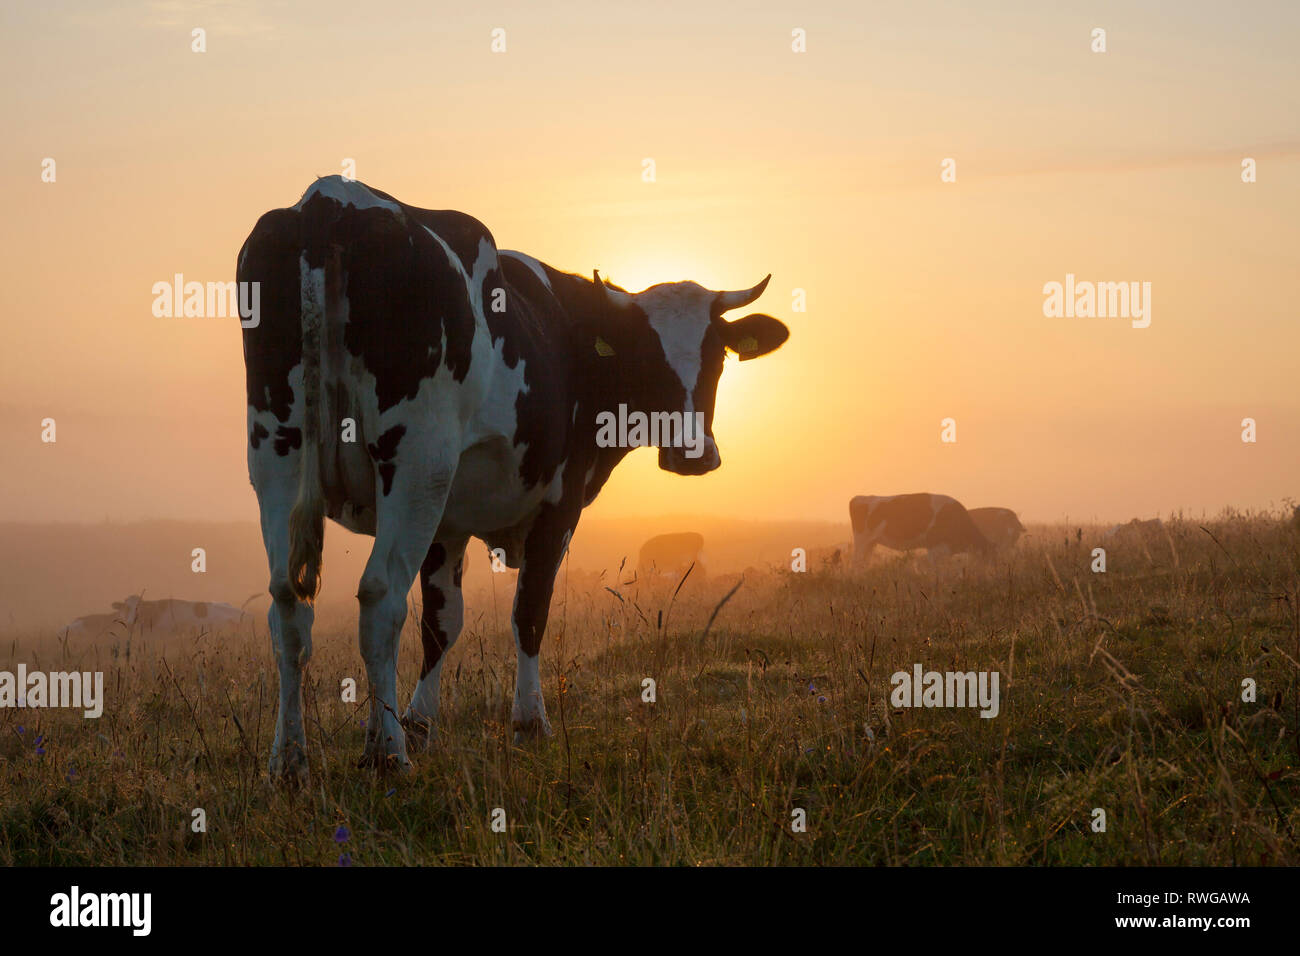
<point>903,522</point>
<point>1001,526</point>
<point>669,555</point>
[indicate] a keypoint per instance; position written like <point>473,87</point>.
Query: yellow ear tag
<point>747,344</point>
<point>603,348</point>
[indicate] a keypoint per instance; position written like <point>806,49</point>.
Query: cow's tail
<point>307,520</point>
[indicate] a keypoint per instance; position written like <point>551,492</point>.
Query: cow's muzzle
<point>680,462</point>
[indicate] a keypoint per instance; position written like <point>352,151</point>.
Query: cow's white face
<point>674,336</point>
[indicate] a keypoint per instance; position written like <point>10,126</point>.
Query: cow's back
<point>396,296</point>
<point>669,553</point>
<point>918,520</point>
<point>897,521</point>
<point>406,286</point>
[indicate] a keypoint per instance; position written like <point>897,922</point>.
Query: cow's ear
<point>754,335</point>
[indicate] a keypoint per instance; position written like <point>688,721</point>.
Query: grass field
<point>1119,690</point>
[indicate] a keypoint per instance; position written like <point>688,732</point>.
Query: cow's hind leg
<point>289,619</point>
<point>407,518</point>
<point>441,619</point>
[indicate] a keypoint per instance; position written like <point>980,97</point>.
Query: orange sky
<point>822,168</point>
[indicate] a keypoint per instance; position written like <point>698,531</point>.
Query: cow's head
<point>668,344</point>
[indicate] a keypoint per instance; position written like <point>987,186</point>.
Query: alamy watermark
<point>659,429</point>
<point>82,690</point>
<point>923,688</point>
<point>77,909</point>
<point>1101,300</point>
<point>208,300</point>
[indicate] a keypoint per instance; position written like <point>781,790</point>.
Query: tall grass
<point>1120,691</point>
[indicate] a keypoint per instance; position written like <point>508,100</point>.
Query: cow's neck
<point>598,382</point>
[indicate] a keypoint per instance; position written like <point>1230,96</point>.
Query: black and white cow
<point>414,384</point>
<point>903,522</point>
<point>169,617</point>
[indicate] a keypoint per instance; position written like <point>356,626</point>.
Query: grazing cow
<point>414,384</point>
<point>902,522</point>
<point>671,555</point>
<point>1001,526</point>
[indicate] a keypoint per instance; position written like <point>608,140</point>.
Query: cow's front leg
<point>544,548</point>
<point>442,617</point>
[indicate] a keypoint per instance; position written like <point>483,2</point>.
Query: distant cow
<point>671,554</point>
<point>1001,526</point>
<point>1146,535</point>
<point>903,522</point>
<point>155,618</point>
<point>98,625</point>
<point>165,618</point>
<point>1136,529</point>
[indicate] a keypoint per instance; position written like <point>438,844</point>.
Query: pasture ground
<point>1120,691</point>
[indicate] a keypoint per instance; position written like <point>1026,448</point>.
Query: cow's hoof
<point>420,731</point>
<point>289,769</point>
<point>538,728</point>
<point>384,763</point>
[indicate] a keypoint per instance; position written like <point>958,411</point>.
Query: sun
<point>636,274</point>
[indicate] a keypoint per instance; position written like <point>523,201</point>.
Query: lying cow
<point>1001,526</point>
<point>170,617</point>
<point>155,618</point>
<point>480,386</point>
<point>99,625</point>
<point>1136,530</point>
<point>904,522</point>
<point>670,555</point>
